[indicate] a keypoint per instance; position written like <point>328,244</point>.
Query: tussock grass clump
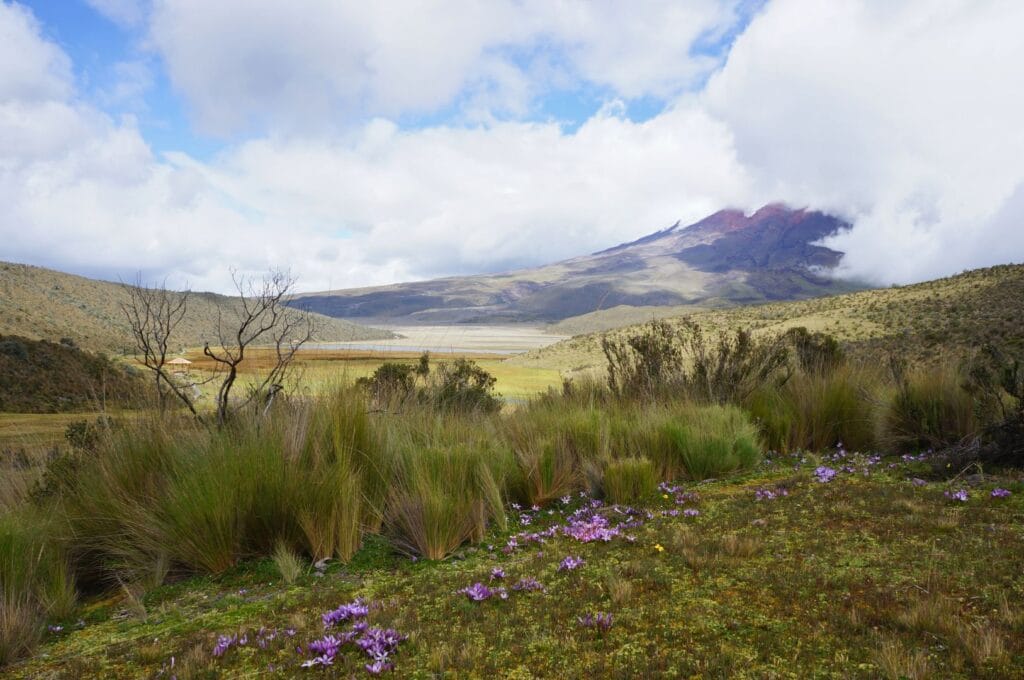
<point>899,663</point>
<point>705,442</point>
<point>816,410</point>
<point>629,480</point>
<point>440,499</point>
<point>928,410</point>
<point>288,563</point>
<point>35,583</point>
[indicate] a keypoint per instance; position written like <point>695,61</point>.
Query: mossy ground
<point>868,575</point>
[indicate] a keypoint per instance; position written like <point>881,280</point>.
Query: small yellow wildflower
<point>665,496</point>
<point>657,546</point>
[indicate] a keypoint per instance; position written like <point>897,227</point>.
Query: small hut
<point>179,365</point>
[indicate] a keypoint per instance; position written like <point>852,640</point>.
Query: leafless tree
<point>264,319</point>
<point>153,313</point>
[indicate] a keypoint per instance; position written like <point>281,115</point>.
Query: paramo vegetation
<point>421,461</point>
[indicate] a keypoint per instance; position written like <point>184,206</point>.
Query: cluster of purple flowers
<point>379,644</point>
<point>590,528</point>
<point>478,592</point>
<point>763,494</point>
<point>528,584</point>
<point>917,481</point>
<point>346,612</point>
<point>1001,493</point>
<point>691,512</point>
<point>570,563</point>
<point>600,621</point>
<point>824,474</point>
<point>263,637</point>
<point>958,495</point>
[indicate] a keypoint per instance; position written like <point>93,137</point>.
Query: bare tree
<point>263,318</point>
<point>153,313</point>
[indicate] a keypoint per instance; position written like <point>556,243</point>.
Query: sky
<point>363,143</point>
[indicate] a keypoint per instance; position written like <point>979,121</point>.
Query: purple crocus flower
<point>224,643</point>
<point>1001,493</point>
<point>346,612</point>
<point>570,563</point>
<point>478,592</point>
<point>497,574</point>
<point>824,474</point>
<point>691,512</point>
<point>959,495</point>
<point>527,584</point>
<point>600,621</point>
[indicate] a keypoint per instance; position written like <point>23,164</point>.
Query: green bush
<point>629,480</point>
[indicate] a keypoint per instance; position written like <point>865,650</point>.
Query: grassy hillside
<point>45,304</point>
<point>925,321</point>
<point>37,376</point>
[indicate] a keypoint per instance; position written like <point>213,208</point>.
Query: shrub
<point>288,564</point>
<point>461,385</point>
<point>664,358</point>
<point>629,480</point>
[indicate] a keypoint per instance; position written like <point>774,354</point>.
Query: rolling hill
<point>726,259</point>
<point>40,303</point>
<point>927,321</point>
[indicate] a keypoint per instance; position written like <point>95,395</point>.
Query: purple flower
<point>346,612</point>
<point>824,474</point>
<point>55,629</point>
<point>327,646</point>
<point>1000,493</point>
<point>224,643</point>
<point>319,661</point>
<point>959,495</point>
<point>691,512</point>
<point>595,528</point>
<point>600,621</point>
<point>570,563</point>
<point>917,481</point>
<point>566,500</point>
<point>497,573</point>
<point>378,667</point>
<point>528,583</point>
<point>478,592</point>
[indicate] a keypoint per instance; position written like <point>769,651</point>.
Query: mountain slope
<point>727,258</point>
<point>41,303</point>
<point>927,321</point>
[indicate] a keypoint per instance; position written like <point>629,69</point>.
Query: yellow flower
<point>665,496</point>
<point>657,546</point>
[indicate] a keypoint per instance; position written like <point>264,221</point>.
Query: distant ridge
<point>41,303</point>
<point>726,259</point>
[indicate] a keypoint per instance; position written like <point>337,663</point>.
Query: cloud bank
<point>367,143</point>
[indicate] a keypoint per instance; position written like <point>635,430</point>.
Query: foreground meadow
<point>785,571</point>
<point>717,507</point>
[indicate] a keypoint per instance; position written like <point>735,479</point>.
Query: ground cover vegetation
<point>719,505</point>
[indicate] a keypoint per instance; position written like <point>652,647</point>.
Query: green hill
<point>38,376</point>
<point>925,321</point>
<point>41,303</point>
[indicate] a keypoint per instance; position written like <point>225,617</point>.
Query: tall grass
<point>35,582</point>
<point>928,409</point>
<point>629,480</point>
<point>817,410</point>
<point>703,442</point>
<point>442,497</point>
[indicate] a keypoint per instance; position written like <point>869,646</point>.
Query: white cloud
<point>320,64</point>
<point>124,13</point>
<point>903,116</point>
<point>31,69</point>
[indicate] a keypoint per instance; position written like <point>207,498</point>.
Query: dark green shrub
<point>461,385</point>
<point>927,410</point>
